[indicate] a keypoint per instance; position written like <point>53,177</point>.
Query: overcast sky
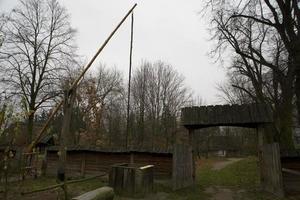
<point>167,30</point>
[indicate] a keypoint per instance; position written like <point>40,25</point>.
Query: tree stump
<point>131,179</point>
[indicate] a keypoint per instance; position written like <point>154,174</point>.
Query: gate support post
<point>260,142</point>
<point>191,138</point>
<point>270,165</point>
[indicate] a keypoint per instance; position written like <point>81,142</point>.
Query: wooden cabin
<point>83,161</point>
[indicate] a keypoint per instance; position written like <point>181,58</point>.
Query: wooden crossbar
<point>51,187</point>
<point>290,171</point>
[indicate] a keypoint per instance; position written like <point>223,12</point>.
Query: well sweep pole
<point>75,83</point>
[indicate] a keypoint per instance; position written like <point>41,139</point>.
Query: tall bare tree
<point>38,41</point>
<point>262,68</point>
<point>277,16</point>
<point>97,93</point>
<point>158,92</point>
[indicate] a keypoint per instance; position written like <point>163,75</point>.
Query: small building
<point>83,161</point>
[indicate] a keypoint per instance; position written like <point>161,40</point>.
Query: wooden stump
<point>131,180</point>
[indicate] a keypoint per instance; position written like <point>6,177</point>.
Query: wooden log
<point>103,193</point>
<point>60,185</point>
<point>294,172</point>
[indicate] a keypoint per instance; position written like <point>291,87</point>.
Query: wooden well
<point>131,179</point>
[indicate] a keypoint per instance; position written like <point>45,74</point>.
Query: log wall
<point>91,163</point>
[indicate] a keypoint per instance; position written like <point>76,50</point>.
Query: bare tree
<point>282,18</point>
<point>262,69</point>
<point>97,94</point>
<point>38,41</point>
<point>2,22</point>
<point>242,94</point>
<point>158,94</point>
<point>139,96</point>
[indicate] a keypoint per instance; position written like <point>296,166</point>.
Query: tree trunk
<point>30,127</point>
<point>65,138</point>
<point>285,120</point>
<point>296,62</point>
<point>297,87</point>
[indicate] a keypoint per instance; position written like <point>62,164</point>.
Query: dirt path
<point>157,196</point>
<point>220,165</point>
<point>221,193</point>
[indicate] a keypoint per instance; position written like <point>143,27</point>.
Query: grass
<point>240,177</point>
<point>191,193</point>
<point>243,174</point>
<point>75,189</point>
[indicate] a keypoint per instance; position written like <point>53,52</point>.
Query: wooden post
<point>5,175</point>
<point>272,169</point>
<point>36,155</point>
<point>193,155</point>
<point>260,142</point>
<point>44,163</point>
<point>183,168</point>
<point>83,161</point>
<point>65,137</point>
<point>131,158</point>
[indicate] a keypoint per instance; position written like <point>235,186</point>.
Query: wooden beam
<point>290,171</point>
<point>61,184</point>
<point>246,115</point>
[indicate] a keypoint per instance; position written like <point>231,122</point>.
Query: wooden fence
<point>81,163</point>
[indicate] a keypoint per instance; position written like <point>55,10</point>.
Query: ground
<point>217,179</point>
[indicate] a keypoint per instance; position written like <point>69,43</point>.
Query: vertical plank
<point>191,149</point>
<point>183,174</point>
<point>83,164</point>
<point>260,132</point>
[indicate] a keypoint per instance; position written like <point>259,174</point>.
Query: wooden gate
<point>271,174</point>
<point>183,166</point>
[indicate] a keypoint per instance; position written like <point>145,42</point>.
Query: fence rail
<point>61,184</point>
<point>294,172</point>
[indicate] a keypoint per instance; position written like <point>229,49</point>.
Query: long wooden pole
<point>39,136</point>
<point>129,81</point>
